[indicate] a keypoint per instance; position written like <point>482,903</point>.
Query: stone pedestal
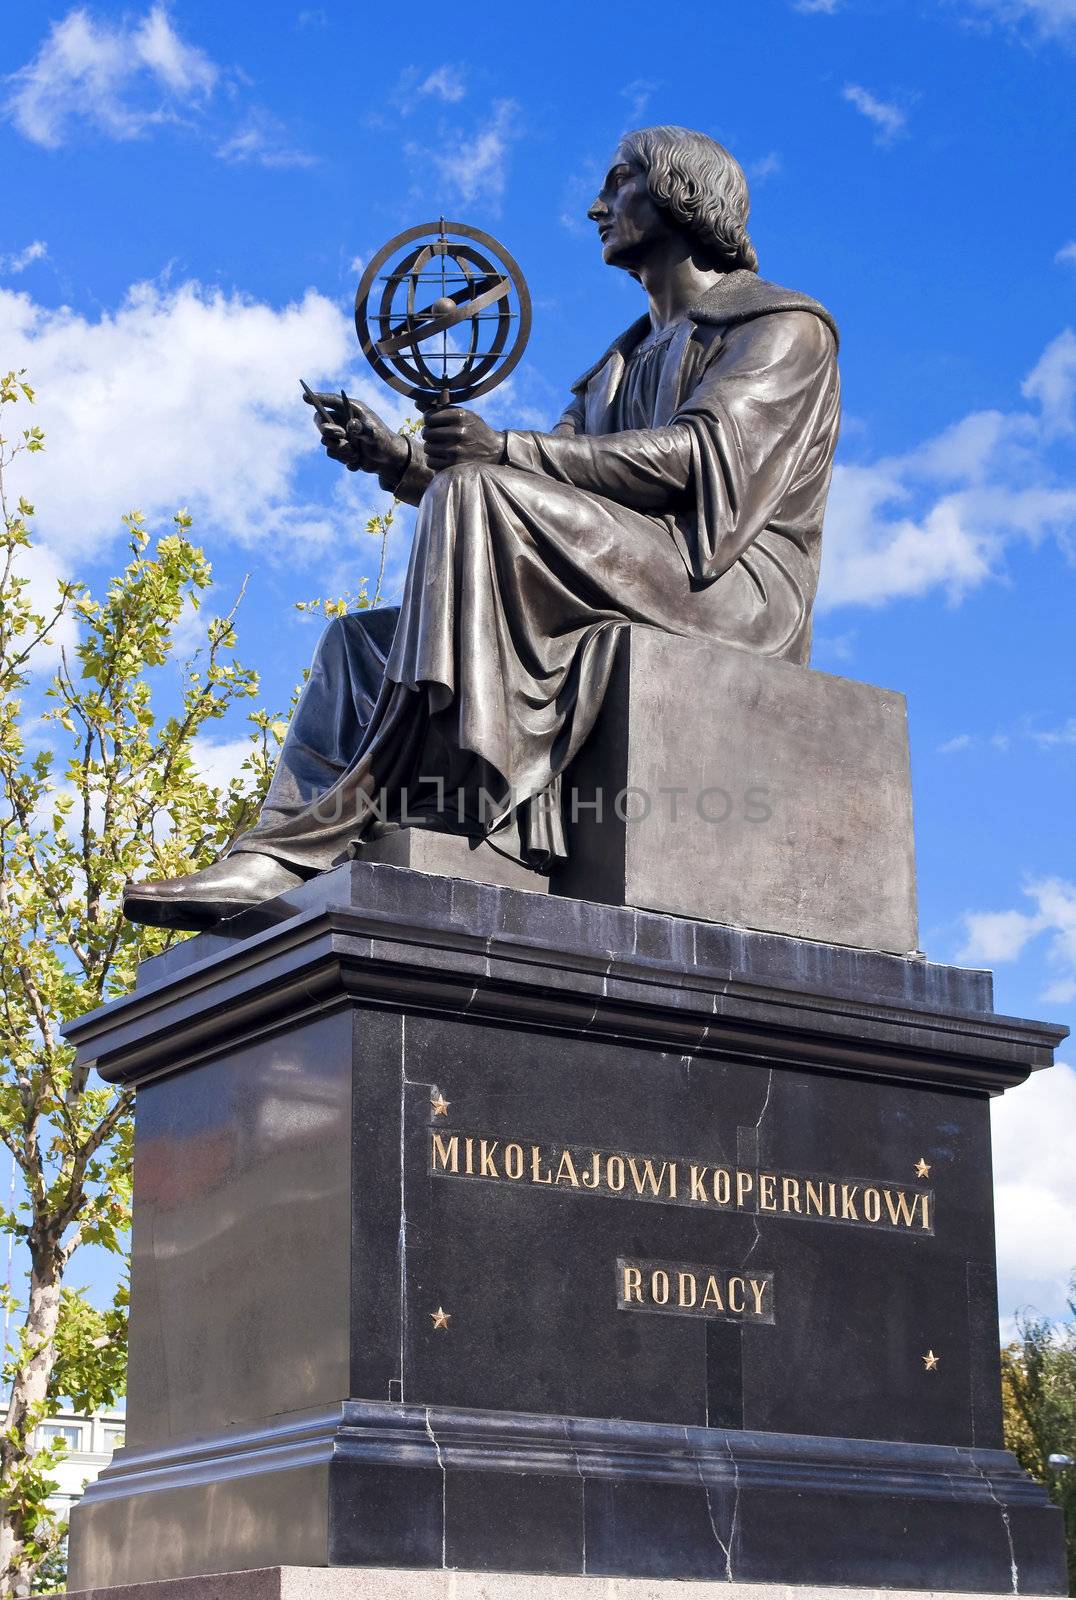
<point>481,1231</point>
<point>724,785</point>
<point>390,1583</point>
<point>765,795</point>
<point>449,855</point>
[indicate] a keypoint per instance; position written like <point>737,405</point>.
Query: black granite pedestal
<point>486,1230</point>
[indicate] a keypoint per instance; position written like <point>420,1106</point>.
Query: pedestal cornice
<point>383,936</point>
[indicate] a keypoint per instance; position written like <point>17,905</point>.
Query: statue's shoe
<point>201,899</point>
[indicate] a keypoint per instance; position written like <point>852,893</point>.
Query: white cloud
<point>219,761</point>
<point>1050,738</point>
<point>183,67</point>
<point>817,7</point>
<point>1067,254</point>
<point>1052,384</point>
<point>766,166</point>
<point>1047,18</point>
<point>21,259</point>
<point>183,396</point>
<point>888,118</point>
<point>43,574</point>
<point>997,936</point>
<point>637,93</point>
<point>942,515</point>
<point>471,166</point>
<point>1034,1135</point>
<point>961,741</point>
<point>119,78</point>
<point>974,741</point>
<point>577,195</point>
<point>444,83</point>
<point>1002,741</point>
<point>263,141</point>
<point>871,555</point>
<point>123,78</point>
<point>836,646</point>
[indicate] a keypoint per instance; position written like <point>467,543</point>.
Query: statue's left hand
<point>452,435</point>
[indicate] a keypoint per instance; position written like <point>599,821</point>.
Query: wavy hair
<point>701,186</point>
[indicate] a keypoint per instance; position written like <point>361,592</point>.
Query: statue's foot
<point>201,899</point>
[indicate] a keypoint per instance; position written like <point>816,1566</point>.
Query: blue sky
<point>190,191</point>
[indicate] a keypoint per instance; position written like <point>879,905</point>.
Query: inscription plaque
<point>626,1176</point>
<point>680,1289</point>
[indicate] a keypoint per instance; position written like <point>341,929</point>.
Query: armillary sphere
<point>443,313</point>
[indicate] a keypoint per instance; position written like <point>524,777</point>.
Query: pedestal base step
<point>384,1583</point>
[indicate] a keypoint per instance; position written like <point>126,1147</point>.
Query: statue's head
<point>672,179</point>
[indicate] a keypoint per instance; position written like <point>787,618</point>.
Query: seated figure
<point>683,488</point>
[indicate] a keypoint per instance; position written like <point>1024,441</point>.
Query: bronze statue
<point>683,489</point>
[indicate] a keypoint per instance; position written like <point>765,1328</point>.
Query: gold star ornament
<point>441,1319</point>
<point>922,1168</point>
<point>930,1361</point>
<point>439,1105</point>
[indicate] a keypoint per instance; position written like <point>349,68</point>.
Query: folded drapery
<point>683,489</point>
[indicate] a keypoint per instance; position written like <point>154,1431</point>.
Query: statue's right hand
<point>357,436</point>
<point>338,447</point>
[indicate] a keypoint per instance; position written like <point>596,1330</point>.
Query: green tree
<point>99,782</point>
<point>1038,1381</point>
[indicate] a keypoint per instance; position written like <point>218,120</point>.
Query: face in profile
<point>629,223</point>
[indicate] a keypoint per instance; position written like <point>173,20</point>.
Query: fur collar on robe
<point>759,471</point>
<point>737,297</point>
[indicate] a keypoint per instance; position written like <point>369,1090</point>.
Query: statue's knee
<point>331,643</point>
<point>465,474</point>
<point>449,492</point>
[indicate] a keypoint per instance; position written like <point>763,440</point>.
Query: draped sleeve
<point>762,425</point>
<point>763,411</point>
<point>411,484</point>
<point>647,469</point>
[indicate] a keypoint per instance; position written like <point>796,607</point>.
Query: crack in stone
<point>758,1125</point>
<point>766,1102</point>
<point>726,1549</point>
<point>753,1246</point>
<point>402,1246</point>
<point>605,991</point>
<point>735,1505</point>
<point>1014,1571</point>
<point>574,1453</point>
<point>583,1530</point>
<point>444,1487</point>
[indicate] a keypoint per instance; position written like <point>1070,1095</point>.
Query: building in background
<point>89,1442</point>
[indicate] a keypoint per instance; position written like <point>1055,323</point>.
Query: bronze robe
<point>683,489</point>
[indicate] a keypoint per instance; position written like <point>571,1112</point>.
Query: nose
<point>597,208</point>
